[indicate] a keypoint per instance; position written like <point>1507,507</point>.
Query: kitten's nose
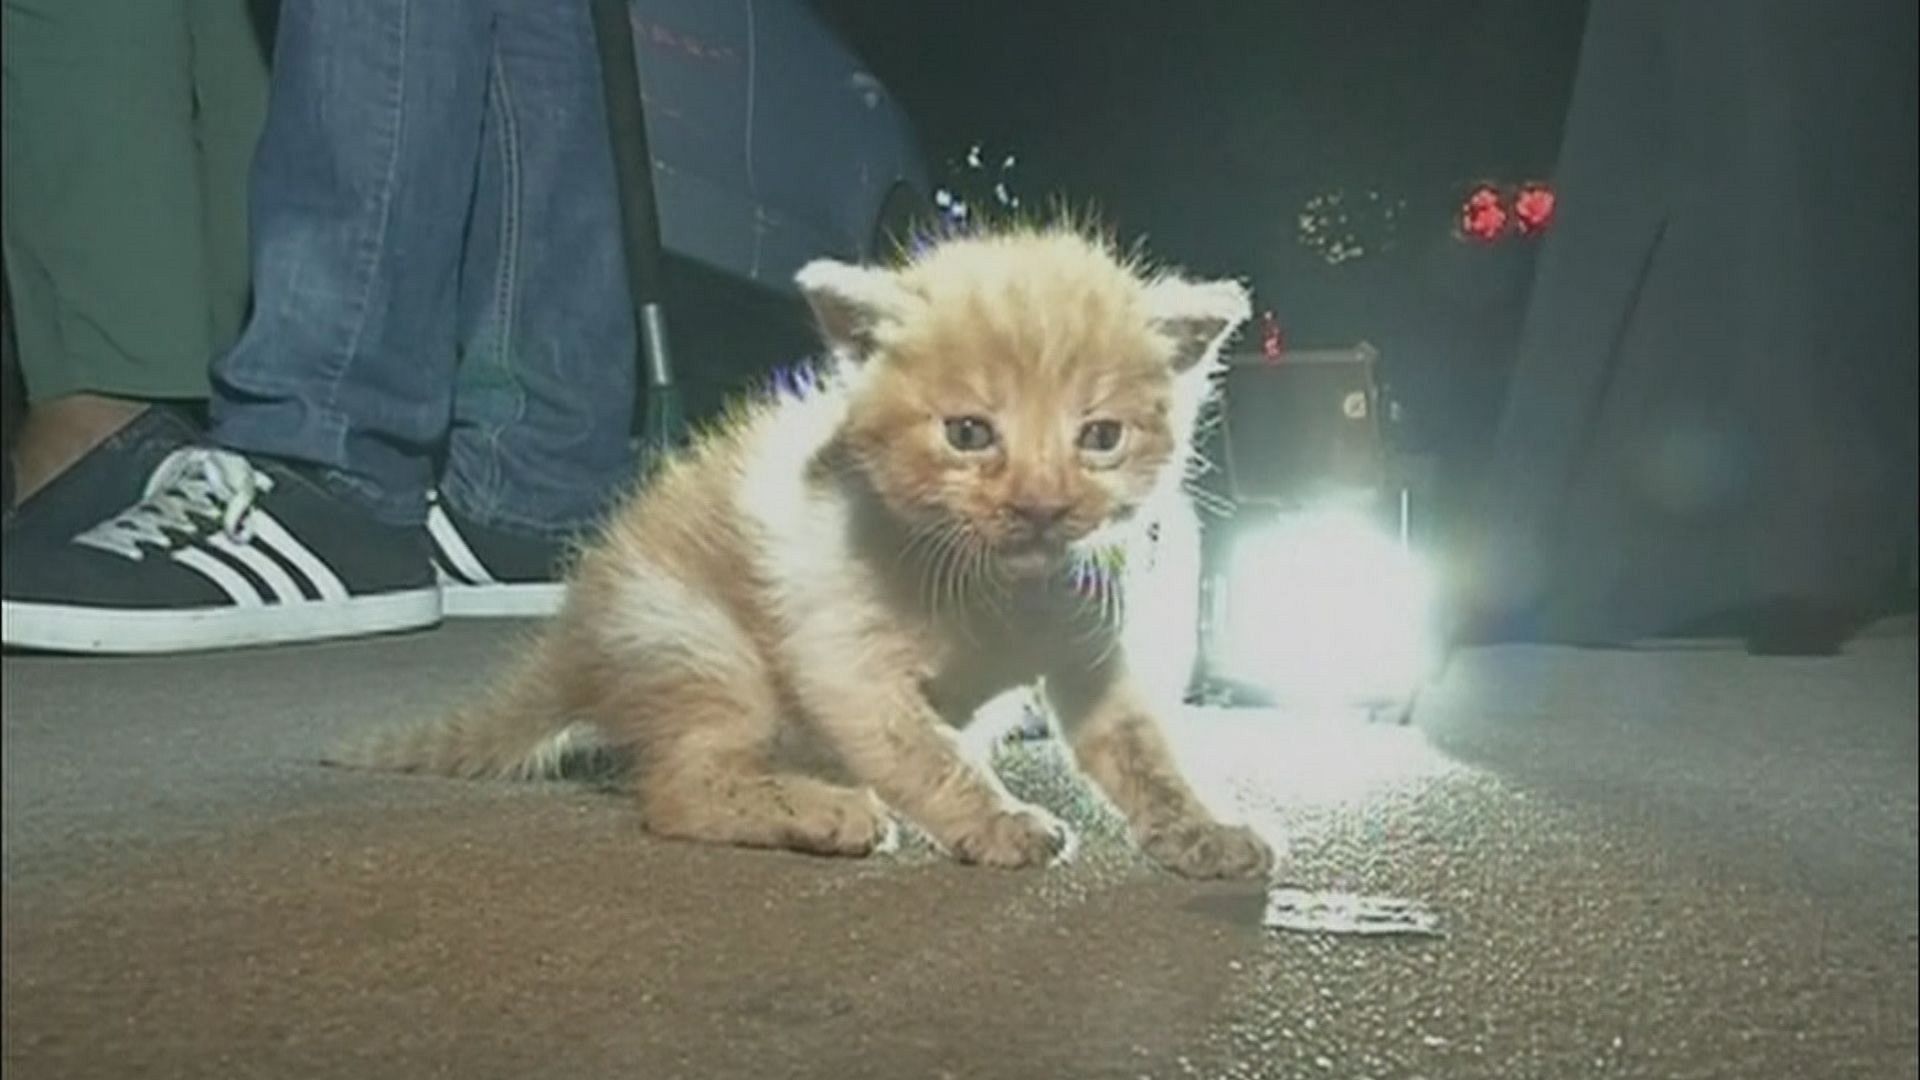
<point>1040,516</point>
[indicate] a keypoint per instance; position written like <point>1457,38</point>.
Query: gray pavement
<point>1682,863</point>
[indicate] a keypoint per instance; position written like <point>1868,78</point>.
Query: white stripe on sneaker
<point>285,590</point>
<point>236,587</point>
<point>460,558</point>
<point>268,531</point>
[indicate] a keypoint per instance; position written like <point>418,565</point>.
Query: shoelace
<point>193,490</point>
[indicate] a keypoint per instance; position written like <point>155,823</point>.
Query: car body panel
<point>771,143</point>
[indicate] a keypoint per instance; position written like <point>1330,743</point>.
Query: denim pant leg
<point>359,204</point>
<point>543,405</point>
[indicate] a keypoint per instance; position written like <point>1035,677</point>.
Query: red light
<point>1482,217</point>
<point>1272,343</point>
<point>1533,208</point>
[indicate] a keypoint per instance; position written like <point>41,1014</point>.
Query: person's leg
<point>360,195</point>
<point>230,73</point>
<point>543,406</point>
<point>106,242</point>
<point>303,518</point>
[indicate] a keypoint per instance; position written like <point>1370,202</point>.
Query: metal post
<point>639,220</point>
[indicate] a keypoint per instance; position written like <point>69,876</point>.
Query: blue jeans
<point>439,292</point>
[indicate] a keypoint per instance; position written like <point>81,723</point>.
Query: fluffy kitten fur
<point>860,564</point>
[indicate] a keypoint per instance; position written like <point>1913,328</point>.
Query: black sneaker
<point>221,551</point>
<point>107,479</point>
<point>485,572</point>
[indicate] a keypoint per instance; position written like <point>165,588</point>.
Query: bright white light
<point>1324,608</point>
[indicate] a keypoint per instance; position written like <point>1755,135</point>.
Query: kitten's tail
<point>522,731</point>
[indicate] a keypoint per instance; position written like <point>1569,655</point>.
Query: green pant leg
<point>105,235</point>
<point>231,45</point>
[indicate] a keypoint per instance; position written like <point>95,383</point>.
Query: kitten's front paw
<point>1014,838</point>
<point>1208,849</point>
<point>847,823</point>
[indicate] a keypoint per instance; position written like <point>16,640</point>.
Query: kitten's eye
<point>969,434</point>
<point>1101,436</point>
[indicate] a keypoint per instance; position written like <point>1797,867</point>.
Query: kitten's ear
<point>853,304</point>
<point>1197,316</point>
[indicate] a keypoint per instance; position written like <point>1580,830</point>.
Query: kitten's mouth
<point>1031,558</point>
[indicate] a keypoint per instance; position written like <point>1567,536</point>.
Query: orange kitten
<point>868,561</point>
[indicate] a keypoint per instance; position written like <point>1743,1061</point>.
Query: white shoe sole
<point>124,631</point>
<point>530,600</point>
